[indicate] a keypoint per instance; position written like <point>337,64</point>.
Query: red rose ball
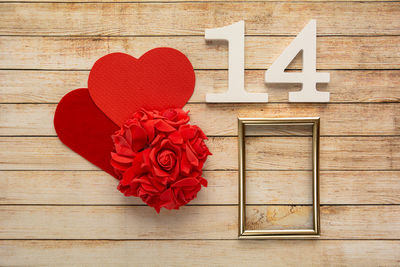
<point>159,158</point>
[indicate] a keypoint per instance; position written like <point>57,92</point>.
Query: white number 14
<point>305,41</point>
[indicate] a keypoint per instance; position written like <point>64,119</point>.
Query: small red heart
<point>84,128</point>
<point>120,84</point>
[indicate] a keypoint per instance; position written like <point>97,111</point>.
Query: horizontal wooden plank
<point>194,222</point>
<point>269,153</point>
<point>202,253</point>
<point>193,18</point>
<point>221,119</point>
<point>174,1</point>
<point>263,187</point>
<point>60,53</point>
<point>345,86</point>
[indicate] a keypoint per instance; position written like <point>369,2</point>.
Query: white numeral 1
<point>234,34</point>
<point>306,40</point>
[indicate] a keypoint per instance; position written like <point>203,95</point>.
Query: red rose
<point>192,139</point>
<point>165,159</point>
<point>176,117</point>
<point>159,158</point>
<point>138,131</point>
<point>183,191</point>
<point>130,139</point>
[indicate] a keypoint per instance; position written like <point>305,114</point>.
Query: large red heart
<point>84,128</point>
<point>120,84</point>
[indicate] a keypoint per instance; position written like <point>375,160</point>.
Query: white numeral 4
<point>305,41</point>
<point>234,34</point>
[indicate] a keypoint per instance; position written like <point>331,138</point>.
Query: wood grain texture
<point>263,187</point>
<point>278,153</point>
<point>174,1</point>
<point>49,192</point>
<point>80,53</point>
<point>202,252</point>
<point>347,18</point>
<point>190,222</point>
<point>345,86</point>
<point>221,119</point>
<point>278,217</point>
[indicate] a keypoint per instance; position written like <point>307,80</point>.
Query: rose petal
<point>162,126</point>
<point>121,159</point>
<point>121,146</point>
<point>139,138</point>
<point>176,138</point>
<point>127,177</point>
<point>191,156</point>
<point>186,182</point>
<point>118,166</point>
<point>185,165</point>
<point>149,188</point>
<point>187,132</point>
<point>149,127</point>
<point>128,136</point>
<point>203,181</point>
<point>170,114</point>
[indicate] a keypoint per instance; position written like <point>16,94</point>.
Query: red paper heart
<point>84,128</point>
<point>120,84</point>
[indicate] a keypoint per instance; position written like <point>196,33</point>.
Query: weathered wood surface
<point>49,192</point>
<point>202,252</point>
<point>263,187</point>
<point>197,1</point>
<point>221,119</point>
<point>345,18</point>
<point>192,222</point>
<point>268,153</point>
<point>345,86</point>
<point>80,53</point>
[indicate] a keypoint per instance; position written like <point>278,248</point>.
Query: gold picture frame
<point>284,233</point>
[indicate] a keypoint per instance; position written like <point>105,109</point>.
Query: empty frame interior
<point>278,178</point>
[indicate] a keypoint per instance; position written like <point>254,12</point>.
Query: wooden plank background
<point>56,209</point>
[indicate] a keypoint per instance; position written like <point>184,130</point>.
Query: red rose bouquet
<point>159,158</point>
